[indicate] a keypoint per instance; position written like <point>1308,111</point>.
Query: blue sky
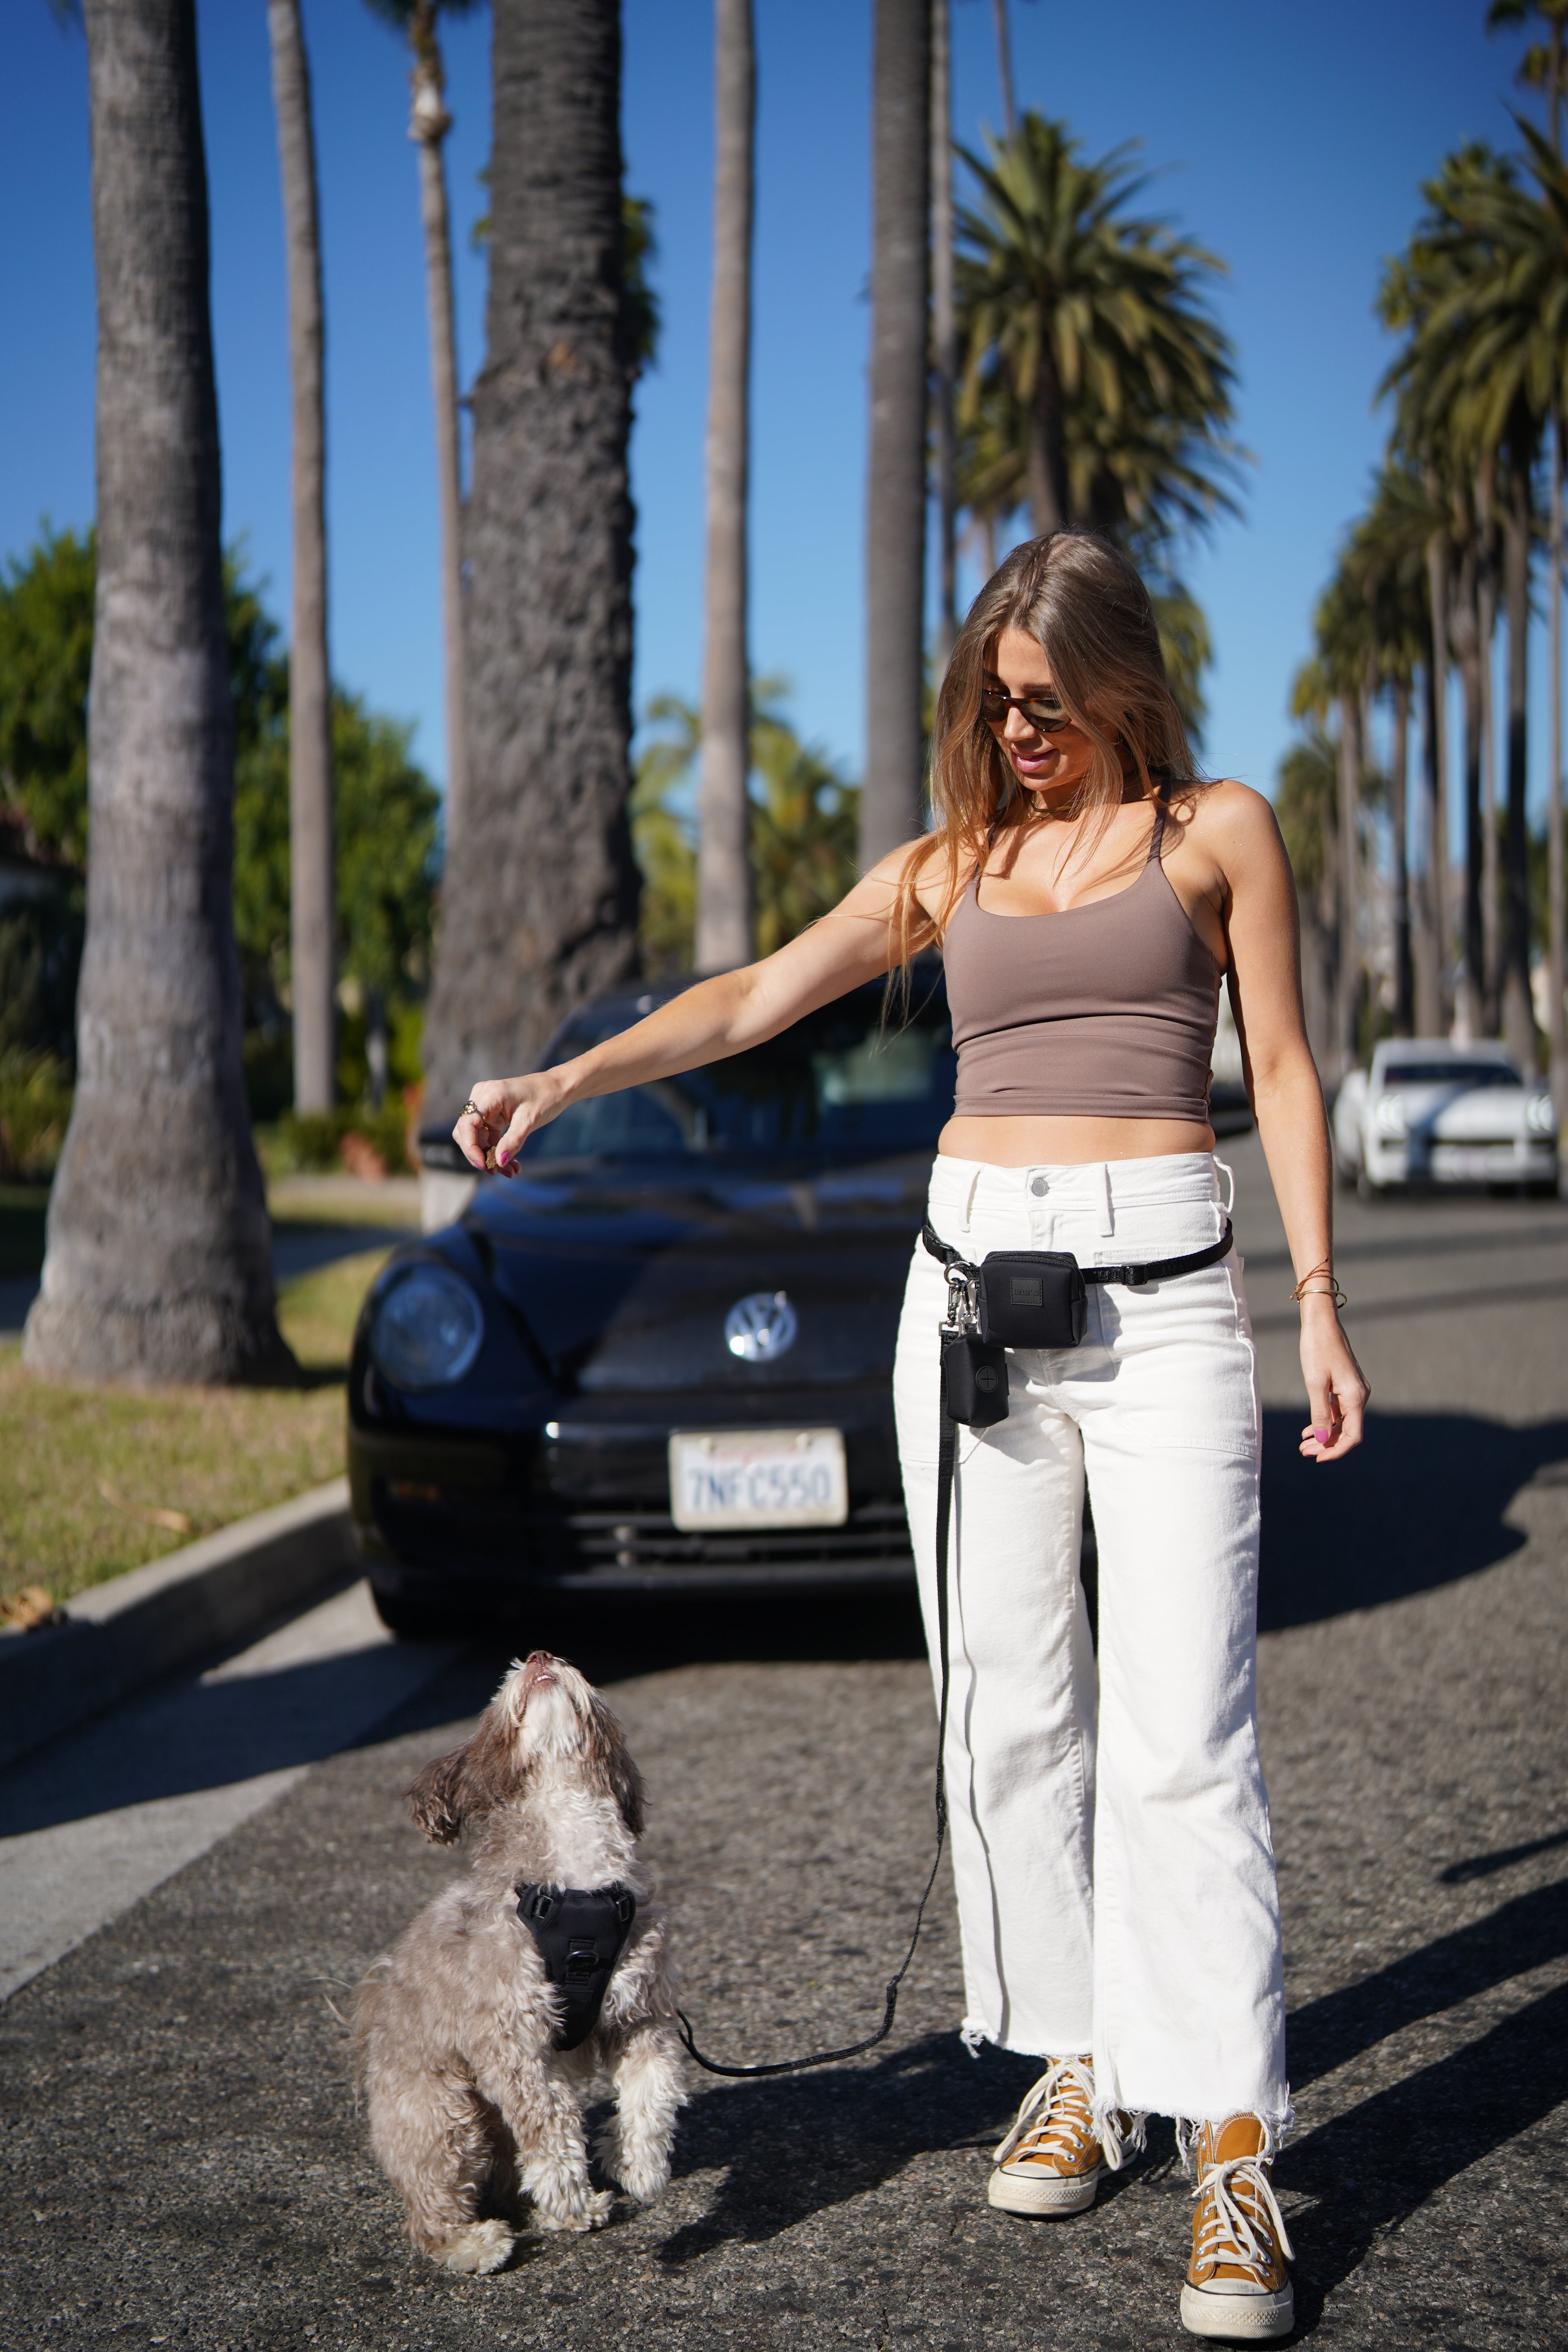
<point>1292,141</point>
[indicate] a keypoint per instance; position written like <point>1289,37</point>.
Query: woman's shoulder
<point>1221,812</point>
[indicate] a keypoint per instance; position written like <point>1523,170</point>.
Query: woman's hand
<point>504,1113</point>
<point>1337,1390</point>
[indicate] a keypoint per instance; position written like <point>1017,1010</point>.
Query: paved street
<point>183,2163</point>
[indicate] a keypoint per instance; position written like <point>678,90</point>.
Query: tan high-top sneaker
<point>1238,2287</point>
<point>1050,2163</point>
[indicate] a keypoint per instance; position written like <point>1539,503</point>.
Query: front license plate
<point>1470,1162</point>
<point>758,1479</point>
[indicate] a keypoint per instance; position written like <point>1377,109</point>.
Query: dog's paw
<point>482,2246</point>
<point>645,2181</point>
<point>588,2211</point>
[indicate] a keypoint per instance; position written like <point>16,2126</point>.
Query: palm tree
<point>1337,679</point>
<point>890,802</point>
<point>1089,331</point>
<point>159,1255</point>
<point>428,123</point>
<point>540,897</point>
<point>1484,291</point>
<point>1004,67</point>
<point>723,867</point>
<point>310,958</point>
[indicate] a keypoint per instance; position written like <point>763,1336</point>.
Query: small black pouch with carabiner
<point>1025,1298</point>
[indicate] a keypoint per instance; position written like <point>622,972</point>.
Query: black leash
<point>945,1456</point>
<point>1159,1269</point>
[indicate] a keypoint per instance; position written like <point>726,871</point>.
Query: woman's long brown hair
<point>1084,603</point>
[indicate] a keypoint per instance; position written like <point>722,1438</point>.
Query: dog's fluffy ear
<point>470,1781</point>
<point>610,1765</point>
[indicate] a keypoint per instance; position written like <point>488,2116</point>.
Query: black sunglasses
<point>1048,717</point>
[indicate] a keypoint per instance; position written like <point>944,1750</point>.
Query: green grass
<point>204,1456</point>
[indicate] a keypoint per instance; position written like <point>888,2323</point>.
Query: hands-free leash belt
<point>1014,1298</point>
<point>581,1932</point>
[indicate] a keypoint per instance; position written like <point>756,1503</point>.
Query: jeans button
<point>1039,1187</point>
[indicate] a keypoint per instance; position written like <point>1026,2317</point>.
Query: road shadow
<point>1419,1505</point>
<point>191,1734</point>
<point>798,2146</point>
<point>1371,2168</point>
<point>1525,1933</point>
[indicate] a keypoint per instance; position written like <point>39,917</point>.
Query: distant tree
<point>309,725</point>
<point>386,820</point>
<point>539,898</point>
<point>158,1263</point>
<point>805,820</point>
<point>428,123</point>
<point>892,800</point>
<point>46,660</point>
<point>723,874</point>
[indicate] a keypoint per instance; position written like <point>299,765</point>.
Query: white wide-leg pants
<point>1116,1887</point>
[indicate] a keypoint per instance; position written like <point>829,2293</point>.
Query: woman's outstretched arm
<point>705,1024</point>
<point>1263,932</point>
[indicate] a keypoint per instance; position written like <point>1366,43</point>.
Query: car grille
<point>508,1536</point>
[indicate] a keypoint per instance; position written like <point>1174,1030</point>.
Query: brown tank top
<point>1104,1010</point>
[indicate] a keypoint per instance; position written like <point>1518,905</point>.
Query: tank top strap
<point>1158,834</point>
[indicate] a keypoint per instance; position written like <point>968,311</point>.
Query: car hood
<point>624,1280</point>
<point>1464,1114</point>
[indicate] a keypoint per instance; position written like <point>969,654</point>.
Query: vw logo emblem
<point>761,1326</point>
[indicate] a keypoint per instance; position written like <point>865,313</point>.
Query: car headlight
<point>1538,1115</point>
<point>1390,1117</point>
<point>426,1329</point>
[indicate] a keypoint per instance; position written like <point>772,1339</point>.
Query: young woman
<point>1116,1888</point>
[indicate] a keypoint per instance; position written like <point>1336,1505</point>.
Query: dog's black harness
<point>581,1932</point>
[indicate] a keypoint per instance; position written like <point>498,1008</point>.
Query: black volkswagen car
<point>661,1354</point>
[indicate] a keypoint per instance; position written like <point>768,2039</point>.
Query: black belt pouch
<point>1032,1298</point>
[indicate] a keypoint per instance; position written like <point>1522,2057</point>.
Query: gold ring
<point>470,1109</point>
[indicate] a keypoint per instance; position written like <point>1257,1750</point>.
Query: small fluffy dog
<point>471,2105</point>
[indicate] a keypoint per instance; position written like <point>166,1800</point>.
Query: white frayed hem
<point>1277,2130</point>
<point>974,2037</point>
<point>1119,2141</point>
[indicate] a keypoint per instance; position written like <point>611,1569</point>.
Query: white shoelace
<point>1229,2233</point>
<point>1035,2115</point>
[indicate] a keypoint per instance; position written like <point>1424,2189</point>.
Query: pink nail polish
<point>1322,1435</point>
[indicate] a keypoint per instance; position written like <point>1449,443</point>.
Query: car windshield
<point>1450,1073</point>
<point>845,1083</point>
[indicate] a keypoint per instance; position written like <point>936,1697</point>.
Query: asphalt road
<point>183,2163</point>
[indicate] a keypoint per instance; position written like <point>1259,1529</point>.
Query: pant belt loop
<point>969,1196</point>
<point>1107,1211</point>
<point>1229,1173</point>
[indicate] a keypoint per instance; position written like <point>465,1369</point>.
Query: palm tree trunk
<point>1556,972</point>
<point>890,798</point>
<point>1348,993</point>
<point>1398,810</point>
<point>1047,454</point>
<point>539,900</point>
<point>429,124</point>
<point>944,331</point>
<point>1004,67</point>
<point>1491,897</point>
<point>1438,780</point>
<point>311,908</point>
<point>723,862</point>
<point>159,1257</point>
<point>1428,988</point>
<point>1471,988</point>
<point>1518,1017</point>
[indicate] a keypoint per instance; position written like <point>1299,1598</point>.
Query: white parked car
<point>1431,1113</point>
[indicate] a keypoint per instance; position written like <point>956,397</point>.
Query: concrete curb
<point>147,1623</point>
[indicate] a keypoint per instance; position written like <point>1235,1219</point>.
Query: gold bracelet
<point>1321,1273</point>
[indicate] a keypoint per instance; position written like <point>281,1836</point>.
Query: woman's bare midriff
<point>1064,1142</point>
